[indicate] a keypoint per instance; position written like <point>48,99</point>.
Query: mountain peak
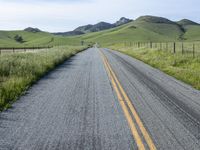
<point>154,19</point>
<point>34,30</point>
<point>187,22</point>
<point>94,28</point>
<point>84,29</point>
<point>122,21</point>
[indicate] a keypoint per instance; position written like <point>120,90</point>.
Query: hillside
<point>145,28</point>
<point>70,33</point>
<point>32,38</point>
<point>27,36</point>
<point>185,22</point>
<point>122,21</point>
<point>33,30</point>
<point>94,28</point>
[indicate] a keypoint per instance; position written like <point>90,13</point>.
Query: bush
<point>19,39</point>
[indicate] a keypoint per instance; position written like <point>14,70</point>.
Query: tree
<point>18,38</point>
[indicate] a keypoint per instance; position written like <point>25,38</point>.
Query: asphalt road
<point>102,99</point>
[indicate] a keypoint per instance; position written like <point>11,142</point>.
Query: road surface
<point>102,99</point>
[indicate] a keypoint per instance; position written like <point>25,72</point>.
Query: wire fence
<point>185,48</point>
<point>22,49</point>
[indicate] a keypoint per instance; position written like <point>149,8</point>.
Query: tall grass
<point>18,71</point>
<point>183,67</point>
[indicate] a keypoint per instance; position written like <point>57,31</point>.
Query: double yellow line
<point>128,109</point>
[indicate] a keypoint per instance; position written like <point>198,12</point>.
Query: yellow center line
<point>132,126</point>
<point>132,109</point>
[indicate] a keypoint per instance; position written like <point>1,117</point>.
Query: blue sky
<point>65,15</point>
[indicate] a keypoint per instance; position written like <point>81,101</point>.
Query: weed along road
<point>102,99</point>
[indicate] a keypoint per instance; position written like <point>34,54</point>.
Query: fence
<point>21,49</point>
<point>184,48</point>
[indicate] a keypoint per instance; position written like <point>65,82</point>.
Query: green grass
<point>20,70</point>
<point>183,67</point>
<point>143,29</point>
<point>192,33</point>
<point>8,36</point>
<point>36,39</point>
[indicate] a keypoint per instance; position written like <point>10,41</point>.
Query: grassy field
<point>183,67</point>
<point>7,39</point>
<point>20,70</point>
<point>145,29</point>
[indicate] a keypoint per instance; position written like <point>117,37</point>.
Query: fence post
<point>182,47</point>
<point>174,47</point>
<point>193,50</point>
<point>0,51</point>
<point>13,50</point>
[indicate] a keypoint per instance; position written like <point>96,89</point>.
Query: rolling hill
<point>148,28</point>
<point>95,28</point>
<point>33,38</point>
<point>145,28</point>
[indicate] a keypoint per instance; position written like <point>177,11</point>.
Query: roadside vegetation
<point>184,67</point>
<point>18,71</point>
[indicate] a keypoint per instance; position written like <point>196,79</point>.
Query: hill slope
<point>7,39</point>
<point>94,28</point>
<point>146,28</point>
<point>185,22</point>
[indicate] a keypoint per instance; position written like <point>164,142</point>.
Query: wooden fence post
<point>174,47</point>
<point>193,50</point>
<point>182,48</point>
